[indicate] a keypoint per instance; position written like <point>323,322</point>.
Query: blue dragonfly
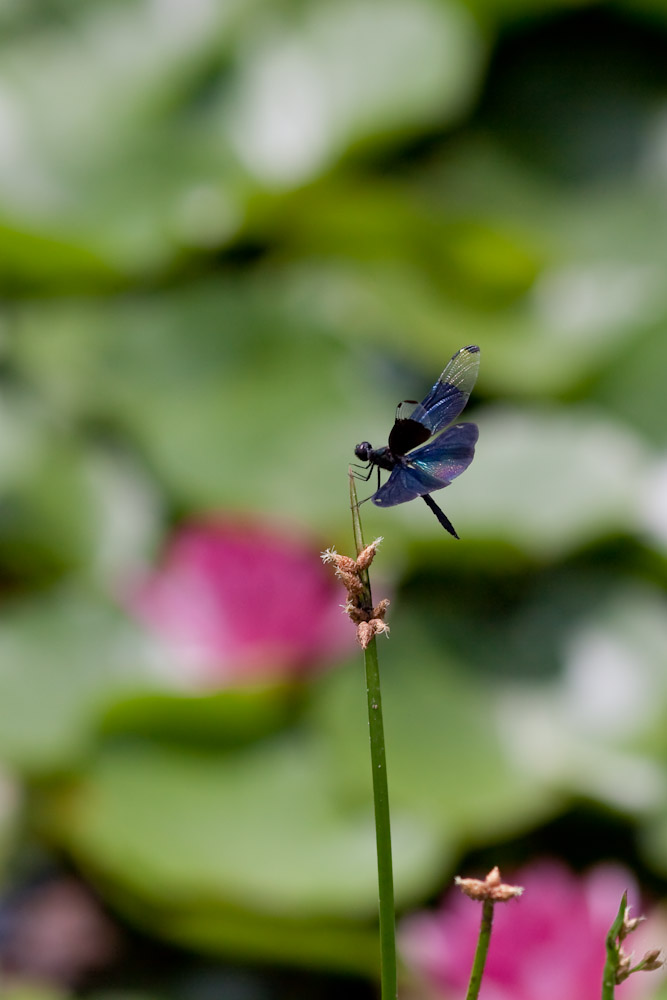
<point>424,453</point>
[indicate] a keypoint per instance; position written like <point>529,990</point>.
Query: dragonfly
<point>424,453</point>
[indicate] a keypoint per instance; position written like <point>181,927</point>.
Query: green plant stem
<point>481,951</point>
<point>612,948</point>
<point>388,974</point>
<point>609,979</point>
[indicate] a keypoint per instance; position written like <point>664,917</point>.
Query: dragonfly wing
<point>450,393</point>
<point>447,456</point>
<point>405,484</point>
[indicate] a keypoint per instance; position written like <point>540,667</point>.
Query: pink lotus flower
<point>236,601</point>
<point>547,945</point>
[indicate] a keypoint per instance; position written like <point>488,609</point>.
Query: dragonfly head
<point>363,451</point>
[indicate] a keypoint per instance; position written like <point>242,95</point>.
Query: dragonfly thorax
<point>382,457</point>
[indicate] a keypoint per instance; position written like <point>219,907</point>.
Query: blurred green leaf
<point>100,149</point>
<point>221,718</point>
<point>597,729</point>
<point>260,410</point>
<point>578,472</point>
<point>270,850</point>
<point>47,473</point>
<point>264,826</point>
<point>220,846</point>
<point>380,223</point>
<point>548,481</point>
<point>42,483</point>
<point>631,388</point>
<point>138,153</point>
<point>347,73</point>
<point>26,992</point>
<point>218,928</point>
<point>63,657</point>
<point>445,759</point>
<point>55,261</point>
<point>247,231</point>
<point>11,819</point>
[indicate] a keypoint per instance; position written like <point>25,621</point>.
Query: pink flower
<point>547,945</point>
<point>238,601</point>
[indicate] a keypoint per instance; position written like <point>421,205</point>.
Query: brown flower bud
<point>652,960</point>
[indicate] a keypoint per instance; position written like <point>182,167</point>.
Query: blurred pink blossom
<point>547,945</point>
<point>237,601</point>
<point>55,933</point>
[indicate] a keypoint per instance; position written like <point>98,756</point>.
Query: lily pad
<point>597,729</point>
<point>63,658</point>
<point>254,851</point>
<point>345,73</point>
<point>547,481</point>
<point>445,760</point>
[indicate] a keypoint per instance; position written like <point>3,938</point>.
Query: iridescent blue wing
<point>405,484</point>
<point>448,455</point>
<point>431,467</point>
<point>450,393</point>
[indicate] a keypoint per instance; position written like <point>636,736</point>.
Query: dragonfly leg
<point>368,469</point>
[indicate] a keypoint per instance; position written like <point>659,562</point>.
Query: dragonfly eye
<point>363,451</point>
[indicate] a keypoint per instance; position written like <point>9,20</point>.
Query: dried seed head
<point>491,888</point>
<point>351,573</point>
<point>380,609</point>
<point>367,630</point>
<point>342,563</point>
<point>351,582</point>
<point>366,556</point>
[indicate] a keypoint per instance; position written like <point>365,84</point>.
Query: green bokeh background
<point>233,235</point>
